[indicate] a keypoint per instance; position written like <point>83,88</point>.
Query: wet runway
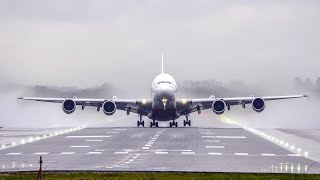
<point>156,149</point>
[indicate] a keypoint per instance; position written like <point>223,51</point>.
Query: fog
<point>98,49</point>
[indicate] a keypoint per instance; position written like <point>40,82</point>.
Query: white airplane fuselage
<point>163,92</point>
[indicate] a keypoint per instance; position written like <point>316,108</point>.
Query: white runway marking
<point>213,153</point>
<point>79,146</point>
<point>87,136</point>
<point>160,152</point>
<point>119,129</point>
<point>94,152</point>
<point>150,142</point>
<point>40,153</point>
<point>112,132</point>
<point>267,154</point>
<point>14,153</point>
<point>231,137</point>
<point>66,153</point>
<point>188,153</point>
<point>241,154</point>
<point>126,152</point>
<point>214,141</point>
<point>94,140</point>
<point>219,147</point>
<point>145,147</point>
<point>293,154</point>
<point>225,137</point>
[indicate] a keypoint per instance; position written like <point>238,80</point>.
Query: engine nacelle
<point>258,105</point>
<point>218,106</point>
<point>109,107</point>
<point>69,106</point>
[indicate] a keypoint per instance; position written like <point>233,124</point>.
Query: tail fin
<point>162,63</point>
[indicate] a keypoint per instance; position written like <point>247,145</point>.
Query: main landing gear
<point>187,121</point>
<point>153,123</point>
<point>173,123</point>
<point>140,122</point>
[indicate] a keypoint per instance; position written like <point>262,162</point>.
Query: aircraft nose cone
<point>164,93</point>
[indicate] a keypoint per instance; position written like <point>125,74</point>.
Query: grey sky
<point>86,42</point>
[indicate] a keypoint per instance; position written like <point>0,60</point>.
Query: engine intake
<point>109,107</point>
<point>218,106</point>
<point>68,106</point>
<point>258,104</point>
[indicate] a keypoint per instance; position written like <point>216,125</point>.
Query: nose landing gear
<point>140,122</point>
<point>187,121</point>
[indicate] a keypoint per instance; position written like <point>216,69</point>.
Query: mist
<point>101,49</point>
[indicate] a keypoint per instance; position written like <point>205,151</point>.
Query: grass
<point>154,176</point>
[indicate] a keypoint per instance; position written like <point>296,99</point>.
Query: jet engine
<point>109,107</point>
<point>258,104</point>
<point>218,106</point>
<point>68,106</point>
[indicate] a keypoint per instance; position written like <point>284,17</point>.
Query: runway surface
<point>156,149</point>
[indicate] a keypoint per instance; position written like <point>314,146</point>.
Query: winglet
<point>162,63</point>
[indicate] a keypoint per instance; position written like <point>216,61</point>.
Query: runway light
<point>281,142</point>
<point>22,141</point>
<point>306,154</point>
<point>3,146</point>
<point>61,132</point>
<point>56,133</point>
<point>37,138</point>
<point>292,147</point>
<point>298,149</point>
<point>44,136</point>
<point>277,140</point>
<point>13,143</point>
<point>30,139</point>
<point>287,144</point>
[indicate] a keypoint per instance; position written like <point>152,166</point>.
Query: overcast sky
<point>87,42</point>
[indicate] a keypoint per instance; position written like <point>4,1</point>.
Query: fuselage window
<point>161,82</point>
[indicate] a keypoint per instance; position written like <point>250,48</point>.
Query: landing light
<point>184,101</point>
<point>144,101</point>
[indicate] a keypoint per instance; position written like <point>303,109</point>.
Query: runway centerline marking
<point>66,153</point>
<point>119,129</point>
<point>87,136</point>
<point>40,153</point>
<point>214,153</point>
<point>264,154</point>
<point>188,153</point>
<point>79,146</point>
<point>294,155</point>
<point>112,132</point>
<point>94,152</point>
<point>218,147</point>
<point>241,154</point>
<point>145,147</point>
<point>160,152</point>
<point>14,153</point>
<point>94,140</point>
<point>125,152</point>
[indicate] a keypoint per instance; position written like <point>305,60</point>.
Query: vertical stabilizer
<point>162,63</point>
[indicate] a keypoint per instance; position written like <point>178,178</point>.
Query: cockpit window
<point>166,82</point>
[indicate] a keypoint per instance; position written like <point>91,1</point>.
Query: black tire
<point>176,124</point>
<point>151,124</point>
<point>184,123</point>
<point>157,124</point>
<point>189,123</point>
<point>138,124</point>
<point>170,124</point>
<point>142,123</point>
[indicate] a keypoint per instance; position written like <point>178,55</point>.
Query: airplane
<point>163,105</point>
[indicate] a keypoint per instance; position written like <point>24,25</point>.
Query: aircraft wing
<point>186,106</point>
<point>139,106</point>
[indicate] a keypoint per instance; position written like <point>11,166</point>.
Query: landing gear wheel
<point>140,123</point>
<point>186,122</point>
<point>174,124</point>
<point>154,124</point>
